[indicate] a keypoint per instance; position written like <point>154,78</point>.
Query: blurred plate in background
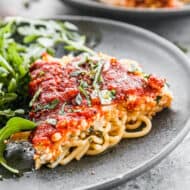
<point>100,9</point>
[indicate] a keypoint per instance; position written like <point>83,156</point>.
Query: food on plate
<point>80,104</point>
<point>86,104</point>
<point>146,3</point>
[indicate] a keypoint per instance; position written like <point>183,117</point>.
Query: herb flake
<point>78,99</point>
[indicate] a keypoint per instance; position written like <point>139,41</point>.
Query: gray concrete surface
<point>173,173</point>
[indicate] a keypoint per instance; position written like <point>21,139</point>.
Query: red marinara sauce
<point>68,97</point>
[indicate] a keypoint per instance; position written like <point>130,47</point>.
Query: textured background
<point>173,173</point>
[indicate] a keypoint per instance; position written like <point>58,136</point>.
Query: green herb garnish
<point>62,111</point>
<point>106,96</point>
<point>35,97</point>
<point>50,106</point>
<point>97,77</point>
<point>83,84</point>
<point>76,73</point>
<point>10,113</point>
<point>78,99</point>
<point>51,121</point>
<point>85,93</point>
<point>158,98</point>
<point>146,76</point>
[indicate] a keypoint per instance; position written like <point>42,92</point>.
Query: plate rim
<point>148,11</point>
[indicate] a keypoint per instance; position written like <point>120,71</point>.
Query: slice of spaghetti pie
<point>152,4</point>
<point>83,105</point>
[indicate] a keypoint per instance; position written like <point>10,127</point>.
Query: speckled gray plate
<point>130,157</point>
<point>97,8</point>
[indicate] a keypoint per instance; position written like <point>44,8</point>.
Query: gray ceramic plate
<point>130,157</point>
<point>95,7</point>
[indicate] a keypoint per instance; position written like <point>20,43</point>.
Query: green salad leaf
<point>14,125</point>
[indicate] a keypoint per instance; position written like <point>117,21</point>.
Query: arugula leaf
<point>5,64</point>
<point>30,38</point>
<point>46,42</point>
<point>10,113</point>
<point>3,72</point>
<point>7,97</point>
<point>14,125</point>
<point>106,96</point>
<point>12,85</point>
<point>70,26</point>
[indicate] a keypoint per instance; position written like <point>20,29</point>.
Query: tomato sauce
<point>66,93</point>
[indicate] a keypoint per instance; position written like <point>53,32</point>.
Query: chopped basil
<point>41,73</point>
<point>101,79</point>
<point>51,121</point>
<point>146,76</point>
<point>84,92</point>
<point>90,140</point>
<point>76,73</point>
<point>158,98</point>
<point>52,104</point>
<point>70,110</point>
<point>91,129</point>
<point>97,77</point>
<point>78,99</point>
<point>98,133</point>
<point>94,93</point>
<point>83,84</point>
<point>113,93</point>
<point>106,96</point>
<point>84,59</point>
<point>49,106</point>
<point>35,97</point>
<point>62,111</point>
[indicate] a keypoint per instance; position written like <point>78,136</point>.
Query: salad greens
<point>22,41</point>
<point>14,125</point>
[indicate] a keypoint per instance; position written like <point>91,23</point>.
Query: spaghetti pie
<point>147,3</point>
<point>86,104</point>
